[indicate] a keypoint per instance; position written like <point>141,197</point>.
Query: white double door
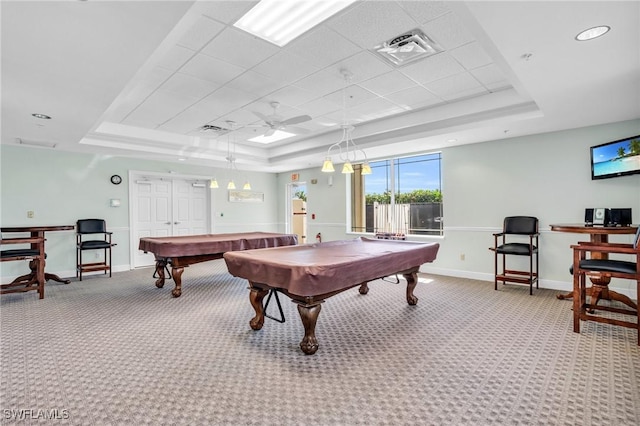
<point>164,207</point>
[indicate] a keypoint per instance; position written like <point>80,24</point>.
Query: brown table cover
<point>315,269</point>
<point>193,245</point>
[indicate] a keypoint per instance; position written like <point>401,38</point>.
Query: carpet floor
<point>119,351</point>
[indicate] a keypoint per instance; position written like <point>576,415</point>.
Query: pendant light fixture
<point>231,166</point>
<point>346,147</point>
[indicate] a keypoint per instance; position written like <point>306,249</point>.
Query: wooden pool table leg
<point>255,297</point>
<point>177,278</point>
<point>412,281</point>
<point>160,265</point>
<point>309,315</point>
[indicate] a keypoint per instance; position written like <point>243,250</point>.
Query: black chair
<point>35,255</point>
<point>604,269</point>
<point>511,242</point>
<point>89,228</point>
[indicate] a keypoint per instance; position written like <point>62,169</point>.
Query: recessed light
<point>42,116</point>
<point>592,33</point>
<point>452,140</point>
<point>182,159</point>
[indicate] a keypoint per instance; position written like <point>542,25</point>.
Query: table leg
<point>177,278</point>
<point>309,316</point>
<point>601,281</point>
<point>32,277</point>
<point>161,264</point>
<point>255,297</point>
<point>412,281</point>
<point>364,288</point>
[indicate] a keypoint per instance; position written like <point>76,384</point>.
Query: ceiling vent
<point>210,128</point>
<point>406,48</point>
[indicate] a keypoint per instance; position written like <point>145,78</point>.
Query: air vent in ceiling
<point>210,128</point>
<point>409,47</point>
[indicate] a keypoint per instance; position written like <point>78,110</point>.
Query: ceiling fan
<point>275,122</point>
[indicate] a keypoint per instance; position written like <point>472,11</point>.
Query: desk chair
<point>515,227</point>
<point>34,254</point>
<point>88,228</point>
<point>604,268</point>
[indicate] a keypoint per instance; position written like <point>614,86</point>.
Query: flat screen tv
<point>616,158</point>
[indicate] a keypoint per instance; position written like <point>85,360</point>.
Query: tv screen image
<point>617,158</point>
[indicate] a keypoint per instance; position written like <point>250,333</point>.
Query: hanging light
<point>231,166</point>
<point>347,148</point>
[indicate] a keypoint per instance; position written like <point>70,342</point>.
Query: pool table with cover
<point>311,273</point>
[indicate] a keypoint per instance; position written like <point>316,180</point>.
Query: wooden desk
<point>37,232</point>
<point>598,234</point>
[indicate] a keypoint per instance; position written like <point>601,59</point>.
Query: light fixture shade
<point>327,167</point>
<point>246,186</point>
<point>347,168</point>
<point>213,184</point>
<point>231,185</point>
<point>366,169</point>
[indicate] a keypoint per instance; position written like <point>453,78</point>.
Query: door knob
<point>175,223</point>
<point>167,223</point>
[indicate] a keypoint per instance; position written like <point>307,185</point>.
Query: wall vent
<point>210,128</point>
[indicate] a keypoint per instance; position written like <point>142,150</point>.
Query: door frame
<point>135,175</point>
<point>288,205</point>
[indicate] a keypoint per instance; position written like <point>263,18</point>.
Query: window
<point>400,196</point>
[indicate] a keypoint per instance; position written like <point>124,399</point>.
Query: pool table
<point>311,273</point>
<point>182,251</point>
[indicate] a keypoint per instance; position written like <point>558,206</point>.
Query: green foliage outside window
<point>417,196</point>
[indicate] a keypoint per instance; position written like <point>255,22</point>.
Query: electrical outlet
<point>462,256</point>
<point>30,214</point>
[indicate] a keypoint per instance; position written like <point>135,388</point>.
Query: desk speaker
<point>597,216</point>
<point>620,217</point>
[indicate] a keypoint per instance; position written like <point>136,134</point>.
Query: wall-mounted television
<point>616,158</point>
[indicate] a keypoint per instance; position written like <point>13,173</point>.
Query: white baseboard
<point>566,286</point>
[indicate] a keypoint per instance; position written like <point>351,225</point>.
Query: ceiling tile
<point>491,77</point>
<point>285,67</point>
<point>448,31</point>
<point>256,83</point>
<point>351,96</point>
<point>189,86</point>
<point>322,82</point>
<point>175,58</point>
<point>371,23</point>
<point>425,11</point>
<point>211,69</point>
<point>292,95</point>
<point>456,86</point>
<point>202,31</point>
<point>239,48</point>
<point>433,68</point>
<point>363,66</point>
<point>390,82</point>
<point>161,106</point>
<point>322,47</point>
<point>414,98</point>
<point>319,107</point>
<point>471,56</point>
<point>226,11</point>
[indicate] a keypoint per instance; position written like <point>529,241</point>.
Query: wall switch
<point>30,214</point>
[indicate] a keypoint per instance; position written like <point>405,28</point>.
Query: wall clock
<point>116,180</point>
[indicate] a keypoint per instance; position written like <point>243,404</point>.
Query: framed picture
<point>242,196</point>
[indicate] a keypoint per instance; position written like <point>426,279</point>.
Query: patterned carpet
<point>119,351</point>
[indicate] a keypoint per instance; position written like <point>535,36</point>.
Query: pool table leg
<point>161,264</point>
<point>309,315</point>
<point>177,278</point>
<point>255,297</point>
<point>412,281</point>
